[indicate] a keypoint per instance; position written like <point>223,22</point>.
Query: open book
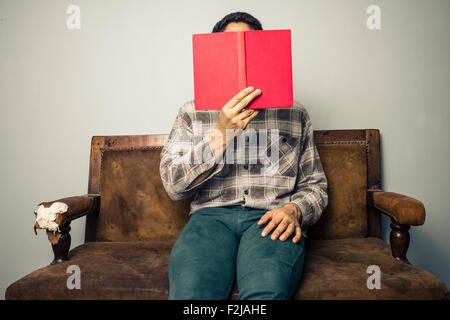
<point>227,62</point>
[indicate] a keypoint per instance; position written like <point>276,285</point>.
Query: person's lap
<point>217,241</point>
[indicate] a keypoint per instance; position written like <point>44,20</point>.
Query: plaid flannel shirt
<point>242,175</point>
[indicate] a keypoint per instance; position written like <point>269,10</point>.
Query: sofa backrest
<point>135,206</point>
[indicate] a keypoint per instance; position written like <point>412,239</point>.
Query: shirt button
<point>246,191</point>
<point>245,166</point>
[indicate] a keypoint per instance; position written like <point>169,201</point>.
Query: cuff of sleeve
<point>307,212</point>
<point>207,159</point>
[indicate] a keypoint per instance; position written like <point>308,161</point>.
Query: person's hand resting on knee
<point>287,218</point>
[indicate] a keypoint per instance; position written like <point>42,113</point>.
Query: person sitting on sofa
<point>238,206</point>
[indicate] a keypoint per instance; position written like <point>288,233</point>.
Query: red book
<point>227,62</point>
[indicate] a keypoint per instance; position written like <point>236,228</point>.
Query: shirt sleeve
<point>311,188</point>
<point>184,157</point>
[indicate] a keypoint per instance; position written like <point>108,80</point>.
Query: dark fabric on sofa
<point>334,269</point>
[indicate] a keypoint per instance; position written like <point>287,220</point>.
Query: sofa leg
<point>399,240</point>
<point>62,247</point>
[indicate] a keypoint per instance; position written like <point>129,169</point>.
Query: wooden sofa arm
<point>404,211</point>
<point>55,217</point>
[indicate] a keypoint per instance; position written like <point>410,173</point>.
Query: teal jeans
<point>218,245</point>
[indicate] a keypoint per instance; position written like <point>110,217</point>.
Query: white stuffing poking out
<point>45,217</point>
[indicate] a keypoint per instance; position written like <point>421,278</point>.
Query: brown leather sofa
<point>131,226</point>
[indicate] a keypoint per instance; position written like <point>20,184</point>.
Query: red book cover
<point>227,62</point>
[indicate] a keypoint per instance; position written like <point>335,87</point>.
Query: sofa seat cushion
<point>337,269</point>
<point>334,269</point>
<point>109,270</point>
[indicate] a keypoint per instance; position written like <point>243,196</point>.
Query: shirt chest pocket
<point>282,155</point>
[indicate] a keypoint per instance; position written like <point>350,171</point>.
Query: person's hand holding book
<point>233,115</point>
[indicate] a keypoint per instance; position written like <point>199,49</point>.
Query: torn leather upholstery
<point>51,215</point>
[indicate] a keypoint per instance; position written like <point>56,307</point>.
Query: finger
<point>238,97</point>
<point>272,224</point>
<point>252,114</point>
<point>245,101</point>
<point>248,119</point>
<point>298,234</point>
<point>245,114</point>
<point>290,229</point>
<point>265,218</point>
<point>279,230</point>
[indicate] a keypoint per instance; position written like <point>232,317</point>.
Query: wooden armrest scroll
<point>404,212</point>
<point>403,209</point>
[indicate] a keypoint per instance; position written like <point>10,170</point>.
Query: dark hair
<point>238,17</point>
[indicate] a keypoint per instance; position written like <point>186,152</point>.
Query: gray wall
<point>129,69</point>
